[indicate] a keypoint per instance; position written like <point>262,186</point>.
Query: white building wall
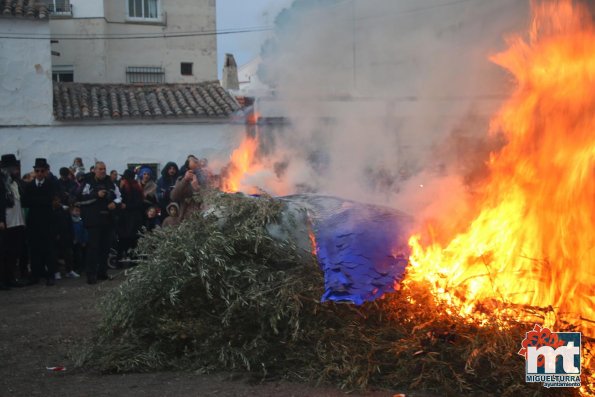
<point>87,9</point>
<point>105,61</point>
<point>168,53</point>
<point>118,145</point>
<point>25,74</point>
<point>87,57</point>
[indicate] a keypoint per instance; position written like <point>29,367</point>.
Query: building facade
<point>133,41</point>
<point>25,66</point>
<point>109,117</point>
<point>125,123</point>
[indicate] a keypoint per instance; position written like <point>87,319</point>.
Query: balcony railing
<point>60,9</point>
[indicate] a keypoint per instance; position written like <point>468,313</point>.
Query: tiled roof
<point>24,8</point>
<point>78,101</point>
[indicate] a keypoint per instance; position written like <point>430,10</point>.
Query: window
<point>63,73</point>
<point>186,68</point>
<point>145,74</point>
<point>60,7</point>
<point>143,9</point>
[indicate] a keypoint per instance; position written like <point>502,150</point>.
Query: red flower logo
<point>540,336</point>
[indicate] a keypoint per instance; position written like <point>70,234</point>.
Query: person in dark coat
<point>4,193</point>
<point>12,230</point>
<point>67,187</point>
<point>37,197</point>
<point>165,185</point>
<point>131,216</point>
<point>99,200</point>
<point>63,238</point>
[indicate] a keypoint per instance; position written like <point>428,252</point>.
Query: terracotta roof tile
<point>73,101</point>
<point>24,8</point>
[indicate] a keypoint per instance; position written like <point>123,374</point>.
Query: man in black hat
<point>12,229</point>
<point>37,197</point>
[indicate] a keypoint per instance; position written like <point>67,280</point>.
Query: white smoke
<point>386,98</point>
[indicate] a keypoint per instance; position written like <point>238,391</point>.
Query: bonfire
<point>234,288</point>
<point>531,243</point>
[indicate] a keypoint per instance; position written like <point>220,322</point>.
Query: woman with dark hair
<point>131,217</point>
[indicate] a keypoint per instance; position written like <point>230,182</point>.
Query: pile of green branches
<point>218,293</point>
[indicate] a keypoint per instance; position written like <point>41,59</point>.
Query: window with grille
<point>145,74</point>
<point>60,7</point>
<point>143,9</point>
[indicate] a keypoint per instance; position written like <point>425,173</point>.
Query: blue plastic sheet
<point>362,250</point>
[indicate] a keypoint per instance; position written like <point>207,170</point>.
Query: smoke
<point>388,101</point>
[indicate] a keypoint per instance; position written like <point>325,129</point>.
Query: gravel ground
<point>39,325</point>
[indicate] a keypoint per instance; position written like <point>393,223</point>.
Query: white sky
<point>232,14</point>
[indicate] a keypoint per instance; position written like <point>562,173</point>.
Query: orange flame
<point>250,172</point>
<point>533,240</point>
<point>241,161</point>
<point>312,237</point>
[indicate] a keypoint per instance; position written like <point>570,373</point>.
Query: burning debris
<point>241,291</point>
<point>219,293</point>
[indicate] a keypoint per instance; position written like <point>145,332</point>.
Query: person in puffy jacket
<point>165,185</point>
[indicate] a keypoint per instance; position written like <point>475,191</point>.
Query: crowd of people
<point>54,226</point>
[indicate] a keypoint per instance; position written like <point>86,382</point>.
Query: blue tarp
<point>362,250</point>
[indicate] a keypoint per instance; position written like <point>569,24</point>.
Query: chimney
<point>230,74</point>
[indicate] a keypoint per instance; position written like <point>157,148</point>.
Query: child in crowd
<point>63,238</point>
<point>152,218</point>
<point>81,236</point>
<point>173,210</point>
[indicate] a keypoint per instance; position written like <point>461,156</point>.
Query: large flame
<point>241,162</point>
<point>251,173</point>
<point>533,240</point>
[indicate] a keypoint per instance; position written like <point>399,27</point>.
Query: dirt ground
<point>39,325</point>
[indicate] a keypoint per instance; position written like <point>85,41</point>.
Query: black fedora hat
<point>41,163</point>
<point>8,160</point>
